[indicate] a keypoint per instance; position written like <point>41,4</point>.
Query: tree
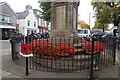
<point>46,10</point>
<point>83,24</point>
<point>98,25</point>
<point>107,12</point>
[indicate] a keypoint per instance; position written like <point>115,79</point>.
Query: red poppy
<point>98,46</point>
<point>54,50</point>
<point>24,48</point>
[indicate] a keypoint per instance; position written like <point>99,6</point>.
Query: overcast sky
<point>83,11</point>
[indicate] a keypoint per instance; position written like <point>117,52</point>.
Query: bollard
<point>27,72</point>
<point>114,48</point>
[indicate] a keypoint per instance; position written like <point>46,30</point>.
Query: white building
<point>30,21</point>
<point>42,24</point>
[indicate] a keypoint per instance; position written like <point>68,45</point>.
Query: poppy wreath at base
<point>87,46</point>
<point>52,50</point>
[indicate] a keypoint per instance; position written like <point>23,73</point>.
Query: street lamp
<point>91,14</point>
<point>89,20</point>
<point>23,33</point>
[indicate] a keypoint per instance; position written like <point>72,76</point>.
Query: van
<point>83,33</point>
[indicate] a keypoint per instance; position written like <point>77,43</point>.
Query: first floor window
<point>34,24</point>
<point>28,23</point>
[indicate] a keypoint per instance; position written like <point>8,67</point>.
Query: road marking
<point>5,40</point>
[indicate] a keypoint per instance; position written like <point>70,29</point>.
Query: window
<point>28,23</point>
<point>34,24</point>
<point>9,19</point>
<point>5,18</point>
<point>82,31</point>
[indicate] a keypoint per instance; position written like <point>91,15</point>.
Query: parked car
<point>84,33</point>
<point>96,33</point>
<point>107,35</point>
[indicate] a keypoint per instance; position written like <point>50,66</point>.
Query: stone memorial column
<point>64,19</point>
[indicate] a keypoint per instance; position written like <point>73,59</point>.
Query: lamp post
<point>91,14</point>
<point>89,20</point>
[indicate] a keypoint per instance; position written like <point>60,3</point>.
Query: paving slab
<point>10,79</point>
<point>110,72</point>
<point>42,74</point>
<point>5,73</point>
<point>12,76</point>
<point>17,70</point>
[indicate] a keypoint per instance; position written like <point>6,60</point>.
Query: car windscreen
<point>82,31</point>
<point>95,31</point>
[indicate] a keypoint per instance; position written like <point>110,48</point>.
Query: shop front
<point>7,31</point>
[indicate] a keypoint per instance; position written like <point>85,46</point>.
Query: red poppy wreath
<point>24,48</point>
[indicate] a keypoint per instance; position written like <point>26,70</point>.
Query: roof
<point>35,12</point>
<point>2,3</point>
<point>22,15</point>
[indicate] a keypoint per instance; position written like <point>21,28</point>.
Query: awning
<point>7,27</point>
<point>41,27</point>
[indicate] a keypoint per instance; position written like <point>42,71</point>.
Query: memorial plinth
<point>64,19</point>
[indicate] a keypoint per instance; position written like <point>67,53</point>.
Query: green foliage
<point>106,12</point>
<point>46,10</point>
<point>98,25</point>
<point>17,30</point>
<point>75,40</point>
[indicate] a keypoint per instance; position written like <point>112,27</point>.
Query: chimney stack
<point>28,7</point>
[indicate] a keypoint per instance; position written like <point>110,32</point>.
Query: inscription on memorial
<point>74,18</point>
<point>61,17</point>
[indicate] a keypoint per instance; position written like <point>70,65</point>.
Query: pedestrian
<point>42,35</point>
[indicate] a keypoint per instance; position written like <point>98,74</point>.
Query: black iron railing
<point>58,54</point>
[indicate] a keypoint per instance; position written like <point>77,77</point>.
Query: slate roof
<point>22,15</point>
<point>2,3</point>
<point>35,12</point>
